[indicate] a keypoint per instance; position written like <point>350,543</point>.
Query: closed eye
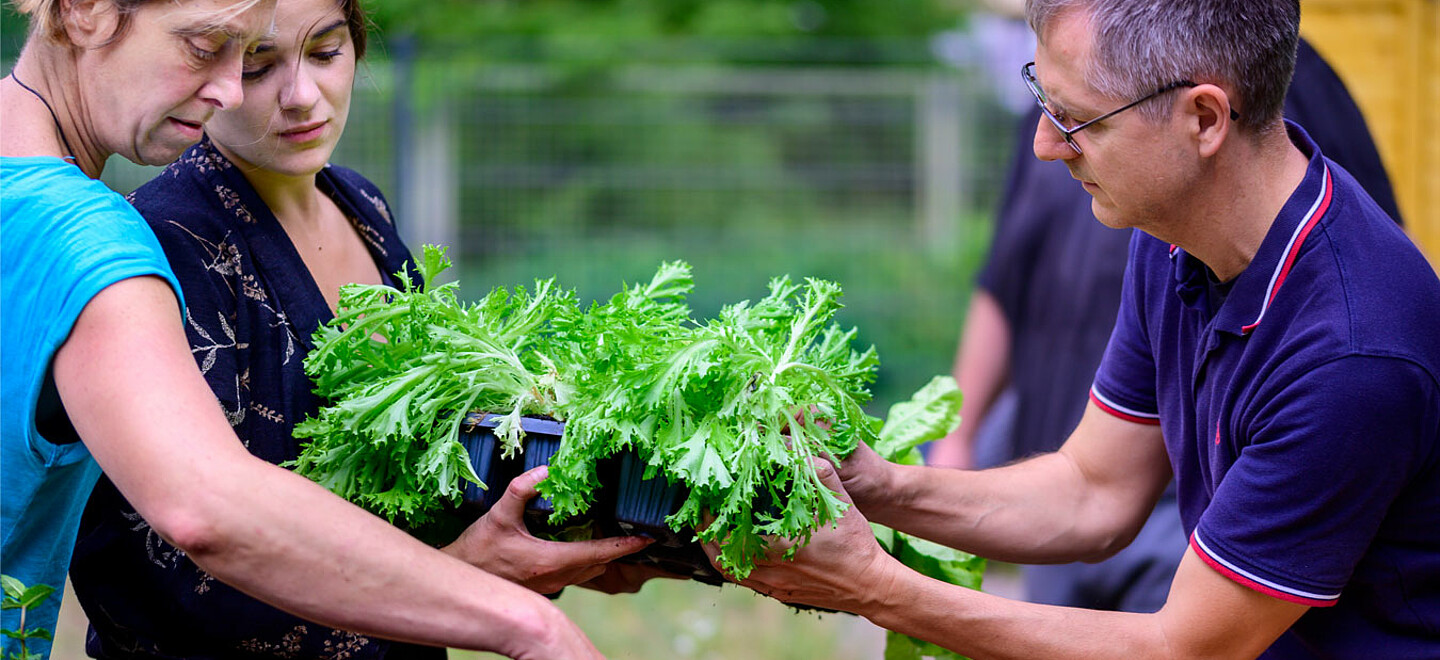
<point>203,54</point>
<point>251,75</point>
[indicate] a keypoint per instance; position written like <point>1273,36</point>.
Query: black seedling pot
<point>641,505</point>
<point>640,508</point>
<point>477,435</point>
<point>539,449</point>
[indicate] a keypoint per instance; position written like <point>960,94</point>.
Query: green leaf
<point>699,464</point>
<point>39,633</point>
<point>930,414</point>
<point>433,262</point>
<point>902,647</point>
<point>35,595</point>
<point>939,561</point>
<point>13,587</point>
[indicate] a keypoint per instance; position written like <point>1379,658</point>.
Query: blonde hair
<point>47,17</point>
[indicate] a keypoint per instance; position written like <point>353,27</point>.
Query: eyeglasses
<point>1027,72</point>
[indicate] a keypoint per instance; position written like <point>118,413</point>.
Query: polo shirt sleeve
<point>1323,456</point>
<point>1125,382</point>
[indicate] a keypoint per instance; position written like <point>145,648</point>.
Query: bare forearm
<point>1208,617</point>
<point>1083,502</point>
<point>322,565</point>
<point>1030,512</point>
<point>982,367</point>
<point>131,389</point>
<point>983,626</point>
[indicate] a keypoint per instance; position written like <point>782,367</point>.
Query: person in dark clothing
<point>1274,355</point>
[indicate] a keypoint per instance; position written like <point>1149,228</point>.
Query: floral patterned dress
<point>252,308</point>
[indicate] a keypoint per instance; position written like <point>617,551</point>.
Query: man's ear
<point>90,23</point>
<point>1207,109</point>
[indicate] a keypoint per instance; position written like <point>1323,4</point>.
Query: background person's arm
<point>134,395</point>
<point>982,368</point>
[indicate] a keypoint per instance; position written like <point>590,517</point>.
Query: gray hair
<point>1247,46</point>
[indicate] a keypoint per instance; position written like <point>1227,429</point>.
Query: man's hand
<point>499,543</point>
<point>866,478</point>
<point>841,568</point>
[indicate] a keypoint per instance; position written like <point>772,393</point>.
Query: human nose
<point>300,91</point>
<point>224,88</point>
<point>1049,143</point>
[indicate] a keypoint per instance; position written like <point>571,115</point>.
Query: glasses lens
<point>1028,73</point>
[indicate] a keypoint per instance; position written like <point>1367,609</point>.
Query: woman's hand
<point>500,544</point>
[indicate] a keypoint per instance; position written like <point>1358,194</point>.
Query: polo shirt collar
<point>1257,286</point>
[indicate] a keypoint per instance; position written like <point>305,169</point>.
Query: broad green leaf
<point>930,414</point>
<point>35,595</point>
<point>13,587</point>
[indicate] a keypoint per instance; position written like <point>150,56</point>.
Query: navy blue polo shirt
<point>1300,412</point>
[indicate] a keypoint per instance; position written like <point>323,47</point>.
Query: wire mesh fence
<point>747,163</point>
<point>881,177</point>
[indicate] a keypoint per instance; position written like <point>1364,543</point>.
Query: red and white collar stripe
<point>1292,249</point>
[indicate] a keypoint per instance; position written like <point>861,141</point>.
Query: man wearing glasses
<point>1275,352</point>
<point>1040,314</point>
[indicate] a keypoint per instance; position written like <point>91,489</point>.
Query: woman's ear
<point>1208,108</point>
<point>90,23</point>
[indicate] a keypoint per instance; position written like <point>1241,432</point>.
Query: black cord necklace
<point>53,117</point>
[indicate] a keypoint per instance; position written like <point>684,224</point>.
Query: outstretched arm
<point>134,395</point>
<point>1207,615</point>
<point>1083,502</point>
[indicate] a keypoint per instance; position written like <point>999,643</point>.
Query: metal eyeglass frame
<point>1027,73</point>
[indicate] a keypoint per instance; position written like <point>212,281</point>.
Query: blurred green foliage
<point>648,19</point>
<point>549,25</point>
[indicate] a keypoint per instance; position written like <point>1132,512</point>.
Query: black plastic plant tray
<point>627,503</point>
<point>477,435</point>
